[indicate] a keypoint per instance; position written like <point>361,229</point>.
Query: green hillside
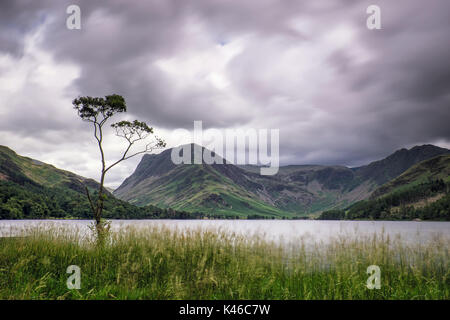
<point>296,191</point>
<point>232,190</point>
<point>215,189</point>
<point>432,169</point>
<point>425,201</point>
<point>394,165</point>
<point>421,192</point>
<point>21,170</point>
<point>30,189</point>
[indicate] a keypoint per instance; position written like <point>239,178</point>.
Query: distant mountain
<point>422,172</point>
<point>240,190</point>
<point>387,169</point>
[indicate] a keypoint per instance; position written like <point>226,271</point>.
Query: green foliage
<point>89,108</point>
<point>135,125</point>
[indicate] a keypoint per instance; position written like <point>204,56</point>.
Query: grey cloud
<point>347,112</point>
<point>17,18</point>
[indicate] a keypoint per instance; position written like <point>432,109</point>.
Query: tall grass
<point>160,263</point>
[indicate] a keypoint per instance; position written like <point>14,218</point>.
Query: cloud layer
<point>338,92</point>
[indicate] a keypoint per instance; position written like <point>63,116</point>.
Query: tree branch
<point>148,148</point>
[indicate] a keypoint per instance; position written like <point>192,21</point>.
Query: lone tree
<point>98,111</point>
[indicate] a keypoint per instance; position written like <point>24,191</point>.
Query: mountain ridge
<point>297,189</point>
<point>428,170</point>
<point>220,190</point>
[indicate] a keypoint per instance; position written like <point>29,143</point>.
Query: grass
<point>159,263</point>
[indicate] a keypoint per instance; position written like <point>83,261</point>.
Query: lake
<point>273,230</point>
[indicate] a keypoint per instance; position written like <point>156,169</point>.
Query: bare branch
<point>148,148</point>
<point>156,144</point>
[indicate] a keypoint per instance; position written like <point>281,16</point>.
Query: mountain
<point>297,190</point>
<point>387,169</point>
<point>23,170</point>
<point>217,188</point>
<point>432,169</point>
<point>32,189</point>
<point>421,192</point>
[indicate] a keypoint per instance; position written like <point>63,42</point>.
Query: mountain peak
<point>157,165</point>
<point>428,147</point>
<point>382,171</point>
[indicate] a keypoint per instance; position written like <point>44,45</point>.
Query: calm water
<point>277,230</point>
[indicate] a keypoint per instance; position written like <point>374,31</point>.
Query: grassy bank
<point>162,264</point>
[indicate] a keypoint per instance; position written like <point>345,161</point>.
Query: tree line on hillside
<point>31,201</point>
<point>399,205</point>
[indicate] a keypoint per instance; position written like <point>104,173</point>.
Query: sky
<point>339,92</point>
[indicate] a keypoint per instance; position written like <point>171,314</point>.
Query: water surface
<point>272,230</point>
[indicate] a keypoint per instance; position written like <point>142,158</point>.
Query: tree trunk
<point>99,207</point>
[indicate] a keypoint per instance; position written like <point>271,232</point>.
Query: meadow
<point>162,263</point>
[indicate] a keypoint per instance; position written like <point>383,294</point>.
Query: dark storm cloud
<point>120,41</point>
<point>339,93</point>
<point>402,93</point>
<point>406,86</point>
<point>116,50</point>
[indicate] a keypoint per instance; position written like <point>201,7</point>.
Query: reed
<point>162,263</point>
